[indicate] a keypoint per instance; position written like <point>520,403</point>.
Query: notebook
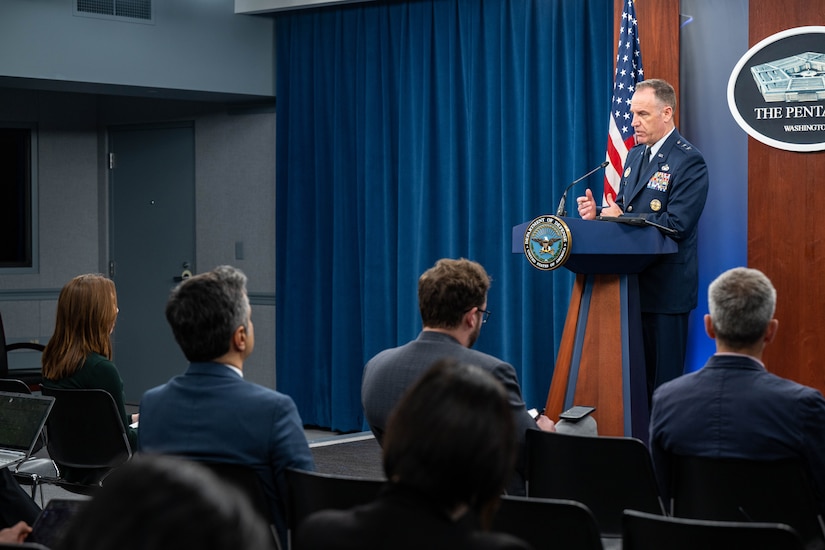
<point>52,522</point>
<point>22,417</point>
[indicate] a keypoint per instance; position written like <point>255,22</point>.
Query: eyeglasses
<point>486,313</point>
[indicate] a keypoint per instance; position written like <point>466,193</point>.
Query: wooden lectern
<point>601,358</point>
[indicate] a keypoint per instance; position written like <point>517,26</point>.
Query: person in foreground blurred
<point>165,503</point>
<point>17,533</point>
<point>16,506</point>
<point>448,451</point>
<point>79,353</point>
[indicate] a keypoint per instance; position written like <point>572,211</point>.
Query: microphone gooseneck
<point>560,211</point>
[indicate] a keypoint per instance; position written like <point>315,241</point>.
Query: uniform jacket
<point>670,191</point>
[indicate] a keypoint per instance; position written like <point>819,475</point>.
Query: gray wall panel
<point>191,45</point>
<point>235,194</point>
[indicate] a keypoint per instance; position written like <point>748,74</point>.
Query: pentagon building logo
<point>776,92</point>
<point>796,78</point>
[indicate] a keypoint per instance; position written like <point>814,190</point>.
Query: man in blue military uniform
<point>665,181</point>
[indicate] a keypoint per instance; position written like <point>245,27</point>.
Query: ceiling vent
<point>132,10</point>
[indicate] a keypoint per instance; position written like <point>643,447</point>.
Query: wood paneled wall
<point>786,228</point>
<point>659,25</point>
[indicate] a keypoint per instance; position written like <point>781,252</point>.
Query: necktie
<point>646,157</point>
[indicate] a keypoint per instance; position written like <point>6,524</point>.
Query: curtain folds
<point>411,131</point>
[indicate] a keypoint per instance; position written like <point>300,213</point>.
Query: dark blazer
<point>212,414</point>
<point>670,191</point>
<point>398,519</point>
<point>15,503</point>
<point>734,408</point>
<point>391,372</point>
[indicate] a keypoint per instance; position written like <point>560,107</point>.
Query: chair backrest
<point>606,474</point>
<point>85,429</point>
<point>14,385</point>
<point>308,492</point>
<point>745,490</point>
<point>548,523</point>
<point>4,361</point>
<point>31,376</point>
<point>643,531</point>
<point>246,479</point>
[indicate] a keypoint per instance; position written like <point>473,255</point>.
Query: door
<point>152,245</point>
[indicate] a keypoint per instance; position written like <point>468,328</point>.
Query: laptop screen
<point>22,417</point>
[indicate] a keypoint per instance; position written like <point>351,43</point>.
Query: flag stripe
<point>629,71</point>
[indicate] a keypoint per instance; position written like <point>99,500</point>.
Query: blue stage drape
<point>411,131</point>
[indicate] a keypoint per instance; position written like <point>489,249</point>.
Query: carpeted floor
<point>356,456</point>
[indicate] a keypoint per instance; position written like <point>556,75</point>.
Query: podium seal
<point>547,242</point>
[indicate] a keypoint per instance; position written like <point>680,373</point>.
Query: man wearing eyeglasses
<point>452,299</point>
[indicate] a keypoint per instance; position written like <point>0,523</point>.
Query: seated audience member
<point>79,353</point>
<point>210,412</point>
<point>733,407</point>
<point>452,299</point>
<point>16,506</point>
<point>166,503</point>
<point>448,451</point>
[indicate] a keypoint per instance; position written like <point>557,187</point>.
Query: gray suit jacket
<point>391,372</point>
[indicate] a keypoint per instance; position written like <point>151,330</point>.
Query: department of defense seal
<point>547,242</point>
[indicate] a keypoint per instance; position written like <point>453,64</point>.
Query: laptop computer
<point>22,417</point>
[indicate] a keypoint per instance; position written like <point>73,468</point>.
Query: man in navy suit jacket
<point>665,181</point>
<point>210,413</point>
<point>733,407</point>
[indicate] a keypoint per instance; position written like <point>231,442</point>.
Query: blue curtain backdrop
<point>411,131</point>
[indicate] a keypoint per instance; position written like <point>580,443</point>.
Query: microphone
<point>560,211</point>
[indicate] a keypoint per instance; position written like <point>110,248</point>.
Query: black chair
<point>247,481</point>
<point>643,531</point>
<point>87,435</point>
<point>308,492</point>
<point>728,489</point>
<point>606,474</point>
<point>548,523</point>
<point>31,377</point>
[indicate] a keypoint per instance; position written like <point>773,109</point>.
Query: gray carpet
<point>356,457</point>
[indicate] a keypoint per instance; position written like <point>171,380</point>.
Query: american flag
<point>629,71</point>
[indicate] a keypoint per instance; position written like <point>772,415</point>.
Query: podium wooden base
<point>601,359</point>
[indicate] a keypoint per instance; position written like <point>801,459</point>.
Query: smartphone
<point>576,413</point>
